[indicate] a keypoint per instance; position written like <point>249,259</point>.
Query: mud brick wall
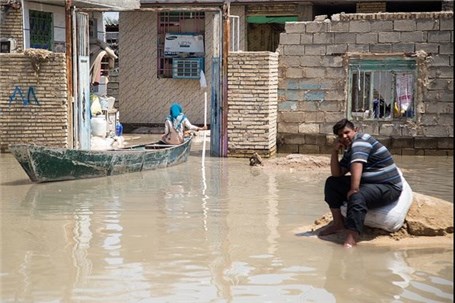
<point>252,103</point>
<point>24,119</point>
<point>312,92</point>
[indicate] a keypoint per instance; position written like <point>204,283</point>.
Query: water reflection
<point>390,275</point>
<point>429,175</point>
<point>209,230</point>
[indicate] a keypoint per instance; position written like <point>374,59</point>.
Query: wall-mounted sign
<point>183,45</point>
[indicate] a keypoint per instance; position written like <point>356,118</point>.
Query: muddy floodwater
<point>208,230</point>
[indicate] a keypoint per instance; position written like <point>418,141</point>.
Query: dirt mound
<point>429,222</point>
<point>299,161</point>
<point>429,216</point>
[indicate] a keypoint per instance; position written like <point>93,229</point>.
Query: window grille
<point>175,22</point>
<point>189,68</point>
<point>382,89</point>
<point>41,30</point>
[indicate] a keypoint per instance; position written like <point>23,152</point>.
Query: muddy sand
<point>429,221</point>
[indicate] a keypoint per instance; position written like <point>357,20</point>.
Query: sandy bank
<point>429,221</point>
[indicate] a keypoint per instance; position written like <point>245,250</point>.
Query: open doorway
<point>263,32</point>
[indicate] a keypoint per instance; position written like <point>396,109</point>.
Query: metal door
<point>82,74</point>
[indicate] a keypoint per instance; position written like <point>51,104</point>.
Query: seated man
<point>374,180</point>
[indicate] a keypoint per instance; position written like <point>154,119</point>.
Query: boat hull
<point>45,164</point>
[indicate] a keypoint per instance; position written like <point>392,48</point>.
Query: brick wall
<point>11,26</point>
<point>43,121</point>
<point>370,7</point>
<point>313,79</point>
<point>252,99</point>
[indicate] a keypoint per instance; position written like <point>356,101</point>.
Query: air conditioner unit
<point>187,68</point>
<point>7,45</point>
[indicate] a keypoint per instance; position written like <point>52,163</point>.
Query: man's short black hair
<point>340,125</point>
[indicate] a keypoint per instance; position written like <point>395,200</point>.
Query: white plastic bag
<point>390,217</point>
<point>95,107</point>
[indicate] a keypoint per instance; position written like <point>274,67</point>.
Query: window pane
<point>360,91</point>
<point>41,30</point>
<point>382,89</point>
<point>405,94</point>
<point>382,94</point>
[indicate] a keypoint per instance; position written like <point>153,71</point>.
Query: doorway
<point>263,32</point>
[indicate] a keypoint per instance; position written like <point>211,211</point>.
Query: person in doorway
<point>374,180</point>
<point>176,124</point>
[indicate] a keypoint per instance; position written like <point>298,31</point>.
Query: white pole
<point>205,126</point>
<point>205,109</point>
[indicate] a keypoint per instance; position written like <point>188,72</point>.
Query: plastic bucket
<point>99,126</point>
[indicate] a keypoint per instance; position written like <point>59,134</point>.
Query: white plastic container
<point>99,126</point>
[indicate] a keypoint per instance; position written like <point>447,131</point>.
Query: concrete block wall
<point>312,91</point>
<point>252,103</point>
<point>24,119</point>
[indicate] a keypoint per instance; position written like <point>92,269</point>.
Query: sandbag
<point>390,217</point>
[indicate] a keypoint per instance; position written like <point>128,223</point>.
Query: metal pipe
<point>75,75</point>
<point>224,95</point>
<point>23,25</point>
<point>215,125</point>
<point>69,69</point>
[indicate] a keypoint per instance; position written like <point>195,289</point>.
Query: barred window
<point>382,89</point>
<point>175,22</point>
<point>41,30</point>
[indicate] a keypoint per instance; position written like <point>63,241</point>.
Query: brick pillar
<point>252,101</point>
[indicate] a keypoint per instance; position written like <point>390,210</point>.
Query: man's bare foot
<point>351,239</point>
<point>331,229</point>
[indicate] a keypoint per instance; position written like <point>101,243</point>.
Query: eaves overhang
<point>99,4</point>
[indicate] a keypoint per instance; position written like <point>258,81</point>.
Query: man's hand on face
<point>338,145</point>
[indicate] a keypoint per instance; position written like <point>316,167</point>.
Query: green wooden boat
<point>46,164</point>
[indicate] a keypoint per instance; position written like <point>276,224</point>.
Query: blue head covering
<point>174,112</point>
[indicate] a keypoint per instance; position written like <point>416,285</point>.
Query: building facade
<point>390,72</point>
<point>37,99</point>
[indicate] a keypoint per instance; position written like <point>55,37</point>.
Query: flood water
<point>204,231</point>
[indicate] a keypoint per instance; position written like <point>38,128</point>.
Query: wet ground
<point>208,230</point>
